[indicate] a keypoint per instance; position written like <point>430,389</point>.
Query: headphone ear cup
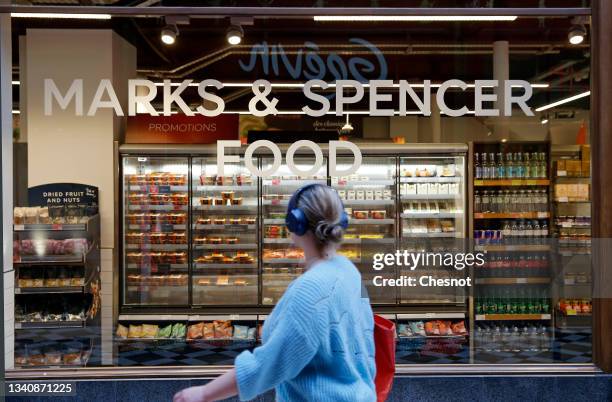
<point>297,222</point>
<point>344,220</point>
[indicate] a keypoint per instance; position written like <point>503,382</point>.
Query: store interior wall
<point>68,148</point>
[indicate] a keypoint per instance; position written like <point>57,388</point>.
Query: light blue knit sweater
<point>318,342</point>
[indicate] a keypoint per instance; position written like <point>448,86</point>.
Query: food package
<point>251,333</point>
<point>404,330</point>
<point>19,215</point>
<point>195,331</point>
<point>178,331</point>
<point>434,188</point>
<point>31,216</point>
<point>241,332</point>
<point>417,328</point>
<point>122,331</point>
<point>423,188</point>
<point>223,329</point>
<point>208,330</point>
<point>149,331</point>
<point>135,331</point>
<point>432,328</point>
<point>444,327</point>
<point>53,357</point>
<point>458,328</point>
<point>382,214</point>
<point>585,152</point>
<point>165,332</point>
<point>37,358</point>
<point>43,216</point>
<point>72,358</point>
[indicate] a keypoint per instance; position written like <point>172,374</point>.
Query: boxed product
<point>585,152</point>
<point>585,168</point>
<point>422,188</point>
<point>573,167</point>
<point>561,167</point>
<point>443,188</point>
<point>433,188</point>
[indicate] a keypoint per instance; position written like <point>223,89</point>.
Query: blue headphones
<point>296,219</point>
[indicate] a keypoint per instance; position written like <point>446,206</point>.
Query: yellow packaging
<point>585,152</point>
<point>561,165</point>
<point>582,192</point>
<point>573,167</point>
<point>560,190</point>
<point>585,168</point>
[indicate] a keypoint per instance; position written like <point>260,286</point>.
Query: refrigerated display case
<point>239,258</point>
<point>224,234</point>
<point>281,261</point>
<point>369,197</point>
<point>155,235</point>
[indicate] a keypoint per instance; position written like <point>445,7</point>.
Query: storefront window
<point>133,248</point>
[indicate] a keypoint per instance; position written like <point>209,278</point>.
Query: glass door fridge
<point>155,235</point>
<point>225,234</point>
<point>282,262</point>
<point>369,197</point>
<point>433,202</point>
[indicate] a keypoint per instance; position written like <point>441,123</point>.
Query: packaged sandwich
<point>149,331</point>
<point>122,331</point>
<point>165,332</point>
<point>458,328</point>
<point>135,331</point>
<point>208,330</point>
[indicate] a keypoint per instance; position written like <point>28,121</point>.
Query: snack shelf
<point>225,188</point>
<point>518,247</point>
<point>430,215</point>
<point>354,221</point>
<point>513,215</point>
<point>511,281</point>
<point>511,182</point>
<point>156,247</point>
<point>512,317</point>
<point>49,324</point>
<point>434,179</point>
<point>158,228</point>
<point>158,207</point>
<point>410,197</point>
<point>58,289</point>
<point>365,183</point>
<point>155,189</point>
<point>238,246</point>
<point>372,203</point>
<point>434,235</point>
<point>199,265</point>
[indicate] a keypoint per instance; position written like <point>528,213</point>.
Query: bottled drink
<point>477,202</point>
<point>485,167</point>
<point>509,166</point>
<point>506,340</point>
<point>536,229</point>
<point>507,201</point>
<point>492,166</point>
<point>501,168</point>
<point>522,231</point>
<point>477,167</point>
<point>515,339</point>
<point>544,229</point>
<point>526,166</point>
<point>535,170</point>
<point>529,232</point>
<point>485,202</point>
<point>518,166</point>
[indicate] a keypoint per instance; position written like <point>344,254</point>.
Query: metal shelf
<point>512,215</point>
<point>45,290</point>
<point>410,197</point>
<point>430,215</point>
<point>202,188</point>
<point>430,179</point>
<point>157,247</point>
<point>49,324</point>
<point>199,265</point>
<point>238,246</point>
<point>512,317</point>
<point>158,189</point>
<point>511,182</point>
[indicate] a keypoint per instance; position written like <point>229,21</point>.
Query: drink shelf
<point>510,182</point>
<point>157,247</point>
<point>409,197</point>
<point>511,281</point>
<point>517,247</point>
<point>512,215</point>
<point>162,227</point>
<point>154,189</point>
<point>238,246</point>
<point>53,289</point>
<point>512,317</point>
<point>213,188</point>
<point>430,179</point>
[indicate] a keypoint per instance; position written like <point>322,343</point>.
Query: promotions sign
<point>181,129</point>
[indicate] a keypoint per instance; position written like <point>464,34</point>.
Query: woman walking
<point>317,343</point>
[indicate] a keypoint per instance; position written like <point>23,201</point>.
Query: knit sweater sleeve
<point>290,346</point>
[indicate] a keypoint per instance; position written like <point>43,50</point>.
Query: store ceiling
<point>411,50</point>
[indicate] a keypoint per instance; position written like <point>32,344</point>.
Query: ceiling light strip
<point>563,101</point>
<point>413,18</point>
<point>331,85</point>
<point>63,16</point>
